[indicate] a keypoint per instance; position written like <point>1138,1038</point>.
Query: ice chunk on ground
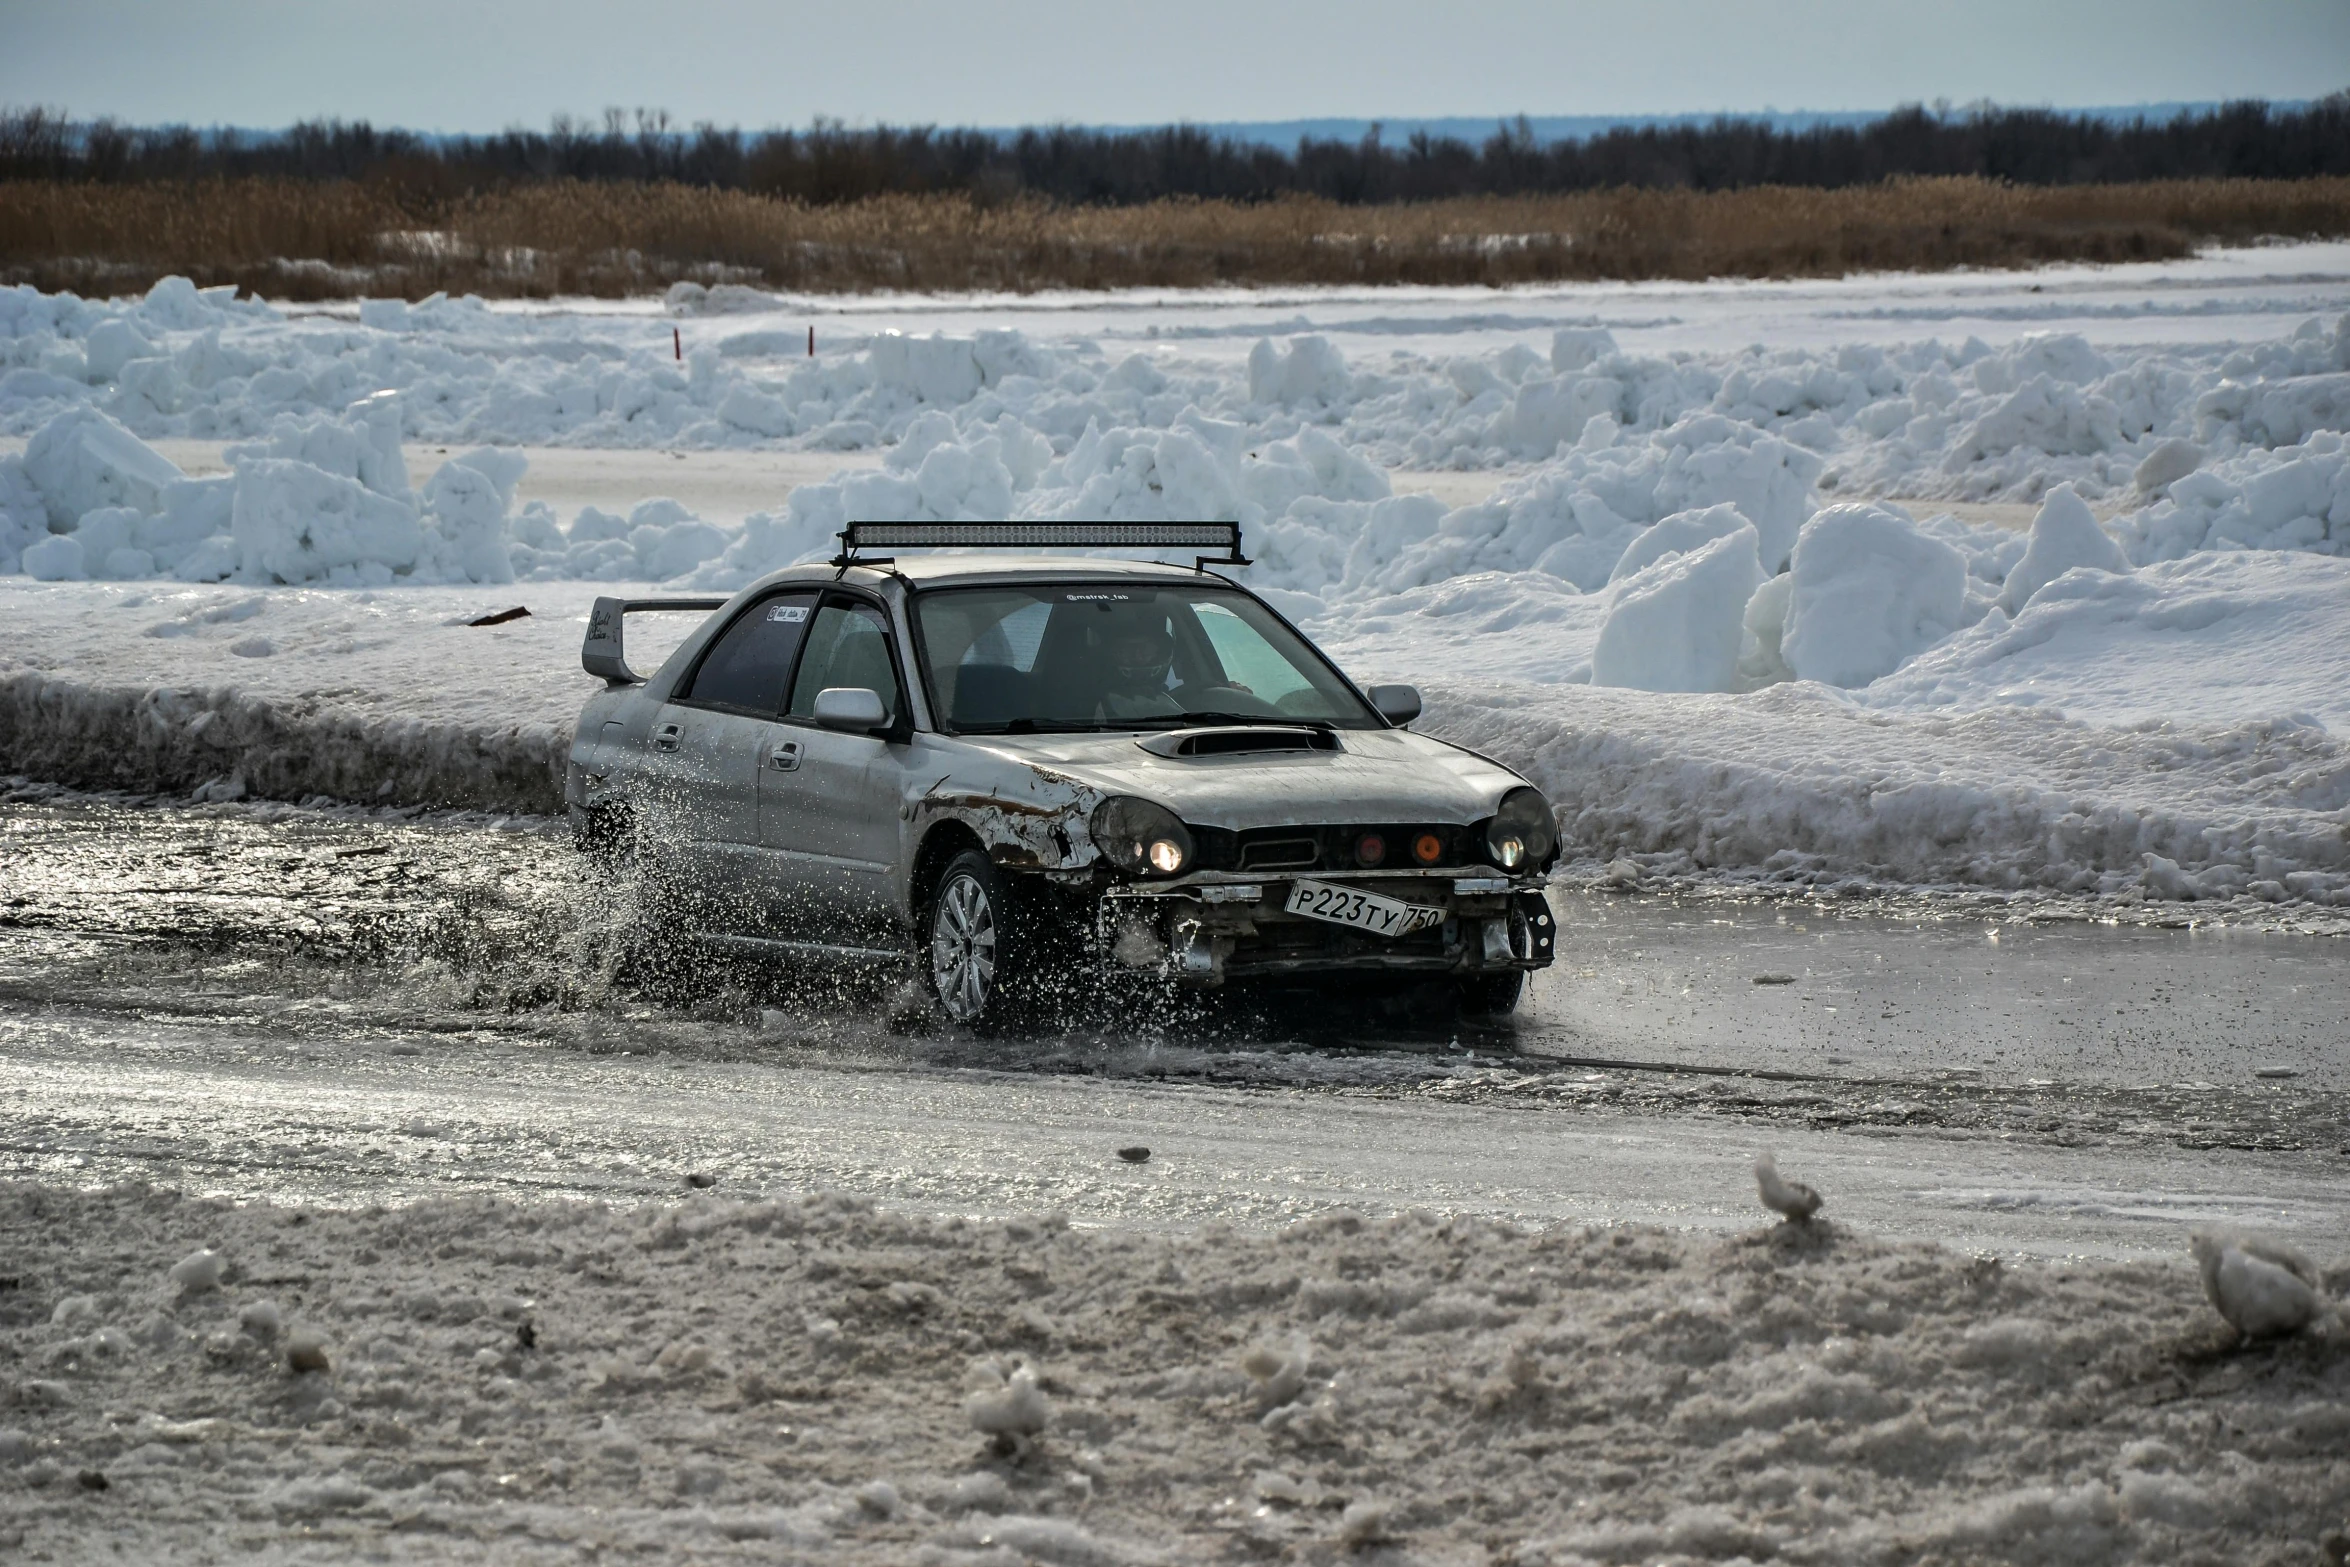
<point>2262,1289</point>
<point>1763,628</point>
<point>2170,461</point>
<point>296,523</point>
<point>1577,348</point>
<point>24,516</point>
<point>57,558</point>
<point>1677,624</point>
<point>362,443</point>
<point>198,1272</point>
<point>82,460</point>
<point>937,370</point>
<point>2065,536</point>
<point>1009,1406</point>
<point>1684,530</point>
<point>466,539</point>
<point>1545,414</point>
<point>1309,371</point>
<point>1869,593</point>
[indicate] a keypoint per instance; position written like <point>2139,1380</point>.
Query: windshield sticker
<point>790,614</point>
<point>1097,598</point>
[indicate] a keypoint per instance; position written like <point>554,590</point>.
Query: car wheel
<point>972,943</point>
<point>605,834</point>
<point>1492,995</point>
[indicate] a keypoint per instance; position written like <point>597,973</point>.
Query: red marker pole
<point>811,340</point>
<point>677,343</point>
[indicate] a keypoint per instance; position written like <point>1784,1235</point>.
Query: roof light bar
<point>1225,536</point>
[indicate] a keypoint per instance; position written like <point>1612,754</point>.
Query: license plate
<point>1367,911</point>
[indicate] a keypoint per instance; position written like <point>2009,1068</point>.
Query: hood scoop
<point>1239,740</point>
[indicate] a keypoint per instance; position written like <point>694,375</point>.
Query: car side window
<point>848,645</point>
<point>746,667</point>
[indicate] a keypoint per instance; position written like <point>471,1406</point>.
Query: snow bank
<point>1801,783</point>
<point>641,1378</point>
<point>287,693</point>
<point>2057,754</point>
<point>2210,640</point>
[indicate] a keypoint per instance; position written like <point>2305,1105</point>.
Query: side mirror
<point>1399,705</point>
<point>854,709</point>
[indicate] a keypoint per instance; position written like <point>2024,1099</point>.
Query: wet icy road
<point>265,1001</point>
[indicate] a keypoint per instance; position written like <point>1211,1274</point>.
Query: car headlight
<point>1523,832</point>
<point>1139,837</point>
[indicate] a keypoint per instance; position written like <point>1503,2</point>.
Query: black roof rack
<point>860,536</point>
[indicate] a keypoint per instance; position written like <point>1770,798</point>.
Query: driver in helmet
<point>1138,655</point>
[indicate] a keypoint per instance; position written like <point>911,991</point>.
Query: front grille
<point>1281,854</point>
<point>1330,848</point>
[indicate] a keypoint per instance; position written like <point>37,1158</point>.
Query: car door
<point>828,802</point>
<point>698,801</point>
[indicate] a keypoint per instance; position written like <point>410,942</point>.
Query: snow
<point>361,695</point>
<point>1797,1393</point>
<point>1804,785</point>
<point>2154,668</point>
<point>2263,1289</point>
<point>1866,593</point>
<point>2203,642</point>
<point>2065,536</point>
<point>1677,624</point>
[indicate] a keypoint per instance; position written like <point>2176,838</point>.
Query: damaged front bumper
<point>1205,930</point>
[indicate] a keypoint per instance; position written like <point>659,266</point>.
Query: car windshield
<point>1124,655</point>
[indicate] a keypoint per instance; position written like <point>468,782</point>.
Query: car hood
<point>1379,776</point>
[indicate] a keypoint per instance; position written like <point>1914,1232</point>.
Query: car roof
<point>941,569</point>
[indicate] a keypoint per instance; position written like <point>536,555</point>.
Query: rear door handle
<point>785,757</point>
<point>665,737</point>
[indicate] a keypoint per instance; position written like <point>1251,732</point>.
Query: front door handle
<point>665,737</point>
<point>785,757</point>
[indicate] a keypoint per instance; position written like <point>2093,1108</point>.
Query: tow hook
<point>1199,957</point>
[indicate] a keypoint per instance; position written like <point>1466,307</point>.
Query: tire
<point>605,834</point>
<point>972,945</point>
<point>1492,995</point>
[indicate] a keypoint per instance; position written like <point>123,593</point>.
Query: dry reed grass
<point>314,240</point>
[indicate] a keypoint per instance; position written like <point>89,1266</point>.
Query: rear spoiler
<point>601,654</point>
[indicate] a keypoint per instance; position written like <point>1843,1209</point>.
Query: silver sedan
<point>1038,774</point>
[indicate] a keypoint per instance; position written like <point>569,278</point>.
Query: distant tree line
<point>830,162</point>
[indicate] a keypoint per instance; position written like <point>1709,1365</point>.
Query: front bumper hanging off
<point>1204,932</point>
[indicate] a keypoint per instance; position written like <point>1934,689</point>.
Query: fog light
<point>1166,856</point>
<point>1370,849</point>
<point>1427,848</point>
<point>1510,850</point>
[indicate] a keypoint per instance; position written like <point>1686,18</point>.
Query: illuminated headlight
<point>1523,832</point>
<point>1139,837</point>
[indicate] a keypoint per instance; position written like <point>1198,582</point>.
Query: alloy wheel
<point>963,948</point>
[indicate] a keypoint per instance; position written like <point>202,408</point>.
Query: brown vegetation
<point>307,239</point>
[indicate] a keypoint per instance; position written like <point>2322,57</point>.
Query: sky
<point>477,65</point>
